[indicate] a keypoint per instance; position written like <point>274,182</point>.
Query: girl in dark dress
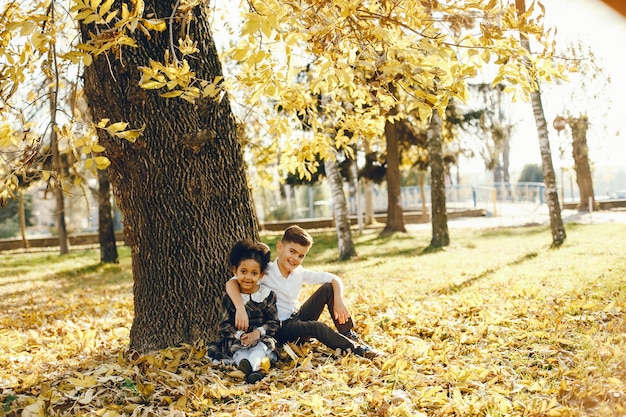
<point>247,350</point>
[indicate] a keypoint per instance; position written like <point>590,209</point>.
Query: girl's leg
<point>256,355</point>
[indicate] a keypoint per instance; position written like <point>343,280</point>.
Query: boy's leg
<point>293,329</point>
<point>314,306</point>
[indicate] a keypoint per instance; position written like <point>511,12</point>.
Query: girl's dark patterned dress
<point>261,309</point>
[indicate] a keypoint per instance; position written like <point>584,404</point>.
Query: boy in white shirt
<point>285,277</point>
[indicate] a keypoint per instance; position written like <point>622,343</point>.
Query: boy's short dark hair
<point>296,234</point>
<point>247,249</point>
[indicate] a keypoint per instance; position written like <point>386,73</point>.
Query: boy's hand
<point>249,339</point>
<point>241,319</point>
<point>341,312</point>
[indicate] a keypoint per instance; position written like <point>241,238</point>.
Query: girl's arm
<point>234,293</point>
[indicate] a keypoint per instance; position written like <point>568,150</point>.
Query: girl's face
<point>248,274</point>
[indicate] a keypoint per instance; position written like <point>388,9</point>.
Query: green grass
<point>497,323</point>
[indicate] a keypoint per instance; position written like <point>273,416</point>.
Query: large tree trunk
<point>439,215</point>
<point>395,212</point>
<point>181,187</point>
<point>340,210</point>
<point>549,178</point>
<point>106,231</point>
<point>580,152</point>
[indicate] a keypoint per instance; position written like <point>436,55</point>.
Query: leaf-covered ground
<point>497,324</point>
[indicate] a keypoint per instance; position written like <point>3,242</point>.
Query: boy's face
<point>248,274</point>
<point>290,256</point>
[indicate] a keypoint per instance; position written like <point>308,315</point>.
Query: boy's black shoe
<point>245,367</point>
<point>350,334</point>
<point>255,377</point>
<point>367,352</point>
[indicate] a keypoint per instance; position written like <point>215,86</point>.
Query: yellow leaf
<point>152,85</point>
<point>287,348</point>
<point>87,381</point>
<point>130,135</point>
<point>172,94</point>
<point>157,25</point>
<point>181,403</point>
<point>116,127</point>
<point>240,54</point>
<point>35,409</point>
<point>265,364</point>
<point>266,27</point>
<point>102,162</point>
<point>106,7</point>
<point>111,16</point>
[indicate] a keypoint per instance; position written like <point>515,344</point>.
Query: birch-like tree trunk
<point>59,195</point>
<point>549,178</point>
<point>340,210</point>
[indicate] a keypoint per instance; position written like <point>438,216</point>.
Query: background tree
<point>552,196</point>
<point>10,217</point>
<point>586,94</point>
<point>488,120</point>
<point>395,211</point>
<point>580,152</point>
<point>531,173</point>
<point>439,215</point>
<point>346,246</point>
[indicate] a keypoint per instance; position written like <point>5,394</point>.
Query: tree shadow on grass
<point>65,282</point>
<point>453,288</point>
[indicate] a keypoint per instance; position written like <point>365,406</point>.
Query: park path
<point>512,215</point>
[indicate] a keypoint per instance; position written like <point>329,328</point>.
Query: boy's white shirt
<point>288,289</point>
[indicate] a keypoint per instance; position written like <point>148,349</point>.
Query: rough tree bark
<point>395,212</point>
<point>439,215</point>
<point>580,153</point>
<point>181,186</point>
<point>340,210</point>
